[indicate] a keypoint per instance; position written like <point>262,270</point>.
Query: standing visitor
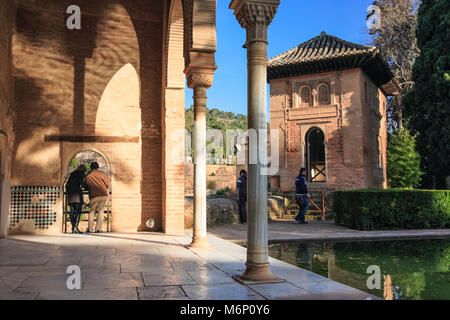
<point>98,183</point>
<point>242,188</point>
<point>301,196</point>
<point>74,188</point>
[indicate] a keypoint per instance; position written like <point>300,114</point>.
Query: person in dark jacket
<point>301,196</point>
<point>242,188</point>
<point>74,187</point>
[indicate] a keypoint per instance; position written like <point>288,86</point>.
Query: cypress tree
<point>427,104</point>
<point>403,161</point>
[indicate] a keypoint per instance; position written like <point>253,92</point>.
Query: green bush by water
<point>392,209</point>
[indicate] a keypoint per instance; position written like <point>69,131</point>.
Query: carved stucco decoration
<point>255,16</point>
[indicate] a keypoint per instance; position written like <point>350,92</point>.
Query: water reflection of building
<point>417,270</point>
<point>388,288</point>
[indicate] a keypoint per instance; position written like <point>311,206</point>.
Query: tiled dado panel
<point>34,203</point>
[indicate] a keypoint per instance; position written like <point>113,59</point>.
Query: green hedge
<point>392,209</point>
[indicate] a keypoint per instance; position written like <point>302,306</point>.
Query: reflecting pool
<point>409,269</point>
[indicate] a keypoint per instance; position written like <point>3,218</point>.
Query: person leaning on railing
<point>98,183</point>
<point>74,188</point>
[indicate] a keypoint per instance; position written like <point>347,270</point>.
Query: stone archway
<point>86,157</point>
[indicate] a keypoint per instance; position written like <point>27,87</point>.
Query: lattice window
<point>305,96</point>
<point>324,95</point>
<point>34,203</point>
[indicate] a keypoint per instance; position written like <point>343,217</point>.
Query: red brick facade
<point>354,128</point>
<point>6,110</point>
<point>115,87</point>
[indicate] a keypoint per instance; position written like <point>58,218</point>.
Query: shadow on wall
<point>61,77</point>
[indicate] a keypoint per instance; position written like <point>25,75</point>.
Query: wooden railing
<point>318,203</point>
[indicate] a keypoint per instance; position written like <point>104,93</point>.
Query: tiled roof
<point>327,53</point>
<point>322,47</point>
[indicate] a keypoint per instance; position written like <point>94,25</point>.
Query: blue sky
<point>295,22</point>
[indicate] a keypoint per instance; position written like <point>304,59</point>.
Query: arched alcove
<point>118,112</point>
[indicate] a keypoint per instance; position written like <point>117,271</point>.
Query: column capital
<point>200,76</point>
<point>254,12</point>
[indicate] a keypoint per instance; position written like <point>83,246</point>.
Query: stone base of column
<point>257,274</point>
<point>200,243</point>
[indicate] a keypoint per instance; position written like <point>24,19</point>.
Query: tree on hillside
<point>216,119</point>
<point>427,104</point>
<point>403,161</point>
<point>397,42</point>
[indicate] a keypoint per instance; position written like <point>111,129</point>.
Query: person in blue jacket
<point>301,196</point>
<point>242,187</point>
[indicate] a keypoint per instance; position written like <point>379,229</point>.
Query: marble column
<point>200,79</point>
<point>255,16</point>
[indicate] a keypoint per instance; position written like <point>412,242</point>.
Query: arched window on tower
<point>324,95</point>
<point>305,96</point>
<point>315,155</point>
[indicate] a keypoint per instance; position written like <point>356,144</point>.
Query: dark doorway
<point>315,155</point>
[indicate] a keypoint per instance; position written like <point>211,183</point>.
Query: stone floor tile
<point>99,294</point>
<point>146,267</point>
<point>42,270</point>
<point>64,261</point>
<point>167,280</point>
<point>53,282</point>
<point>191,266</point>
<point>211,277</point>
<point>20,294</point>
<point>11,282</point>
<point>127,260</point>
<point>298,276</point>
<point>110,281</point>
<point>112,269</point>
<point>221,292</point>
<point>27,260</point>
<point>229,265</point>
<point>5,271</point>
<point>92,261</point>
<point>321,287</point>
<point>155,260</point>
<point>162,293</point>
<point>276,291</point>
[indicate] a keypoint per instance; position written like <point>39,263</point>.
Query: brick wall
<point>219,176</point>
<point>102,81</point>
<point>6,113</point>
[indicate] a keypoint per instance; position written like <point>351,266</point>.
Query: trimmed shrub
<point>403,161</point>
<point>392,209</point>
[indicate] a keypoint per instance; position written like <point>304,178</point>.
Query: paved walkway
<point>289,230</point>
<point>146,266</point>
